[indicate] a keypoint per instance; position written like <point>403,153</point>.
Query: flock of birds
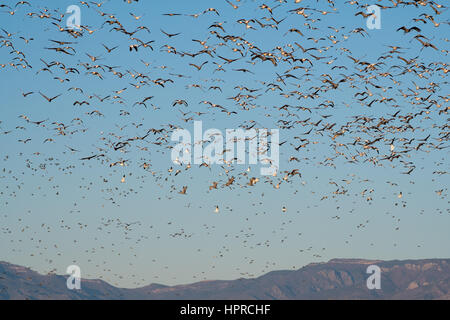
<point>286,67</point>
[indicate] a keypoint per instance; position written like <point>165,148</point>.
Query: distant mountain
<point>336,279</point>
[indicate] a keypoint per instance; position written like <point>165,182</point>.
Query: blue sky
<point>60,214</point>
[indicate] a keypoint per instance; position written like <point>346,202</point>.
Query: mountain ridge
<point>335,279</point>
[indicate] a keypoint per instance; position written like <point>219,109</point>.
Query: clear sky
<point>57,210</point>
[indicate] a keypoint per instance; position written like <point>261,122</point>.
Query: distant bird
<point>47,98</point>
